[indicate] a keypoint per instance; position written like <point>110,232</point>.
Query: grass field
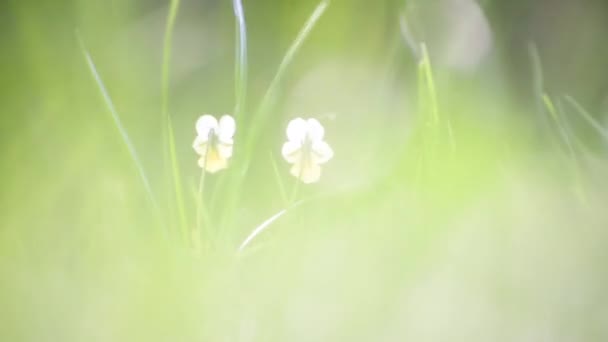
<point>452,208</point>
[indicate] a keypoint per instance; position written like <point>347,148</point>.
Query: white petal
<point>296,130</point>
<point>315,130</point>
<point>204,124</point>
<point>200,144</point>
<point>224,150</point>
<point>291,151</point>
<point>227,127</point>
<point>306,172</point>
<point>321,152</point>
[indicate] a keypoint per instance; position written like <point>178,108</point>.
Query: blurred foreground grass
<point>450,211</point>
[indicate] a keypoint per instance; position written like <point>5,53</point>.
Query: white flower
<point>305,149</point>
<point>214,141</point>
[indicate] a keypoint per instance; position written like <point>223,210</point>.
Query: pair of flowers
<point>304,148</point>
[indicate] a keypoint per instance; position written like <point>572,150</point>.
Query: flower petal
<point>306,172</point>
<point>204,124</point>
<point>227,127</point>
<point>214,165</point>
<point>200,144</point>
<point>212,162</point>
<point>291,151</point>
<point>315,130</point>
<point>296,130</point>
<point>321,152</point>
<point>224,150</point>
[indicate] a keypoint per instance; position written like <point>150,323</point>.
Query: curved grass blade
<point>603,131</point>
<point>240,59</point>
<point>277,176</point>
<point>408,37</point>
<point>563,131</point>
<point>557,119</point>
<point>168,43</point>
<point>259,229</point>
<point>551,113</point>
<point>297,43</point>
<point>118,123</point>
<point>264,225</point>
<point>168,136</point>
<point>177,181</point>
<point>426,73</point>
<point>263,109</point>
<point>537,73</point>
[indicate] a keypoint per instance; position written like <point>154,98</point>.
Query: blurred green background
<point>489,224</point>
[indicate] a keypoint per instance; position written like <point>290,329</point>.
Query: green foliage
<point>450,211</point>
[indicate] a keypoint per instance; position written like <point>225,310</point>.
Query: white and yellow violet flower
<point>214,141</point>
<point>305,149</point>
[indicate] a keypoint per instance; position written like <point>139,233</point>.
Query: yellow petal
<point>306,172</point>
<point>224,150</point>
<point>213,162</point>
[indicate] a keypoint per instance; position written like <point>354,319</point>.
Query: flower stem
<point>196,232</point>
<point>295,190</point>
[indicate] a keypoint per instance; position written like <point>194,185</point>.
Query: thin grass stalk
<point>196,233</point>
<point>546,106</point>
<point>118,124</point>
<point>202,216</point>
<point>277,176</point>
<point>429,81</point>
<point>264,107</point>
<point>263,110</point>
<point>429,109</point>
<point>240,60</point>
<point>408,37</point>
<point>168,136</point>
<point>603,131</point>
<point>579,190</point>
<point>260,228</point>
<point>177,182</point>
<point>166,64</point>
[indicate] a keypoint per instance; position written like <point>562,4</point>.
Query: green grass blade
<point>170,154</point>
<point>264,108</point>
<point>277,176</point>
<point>551,109</point>
<point>264,225</point>
<point>436,127</point>
<point>265,104</point>
<point>581,147</point>
<point>426,71</point>
<point>408,37</point>
<point>297,43</point>
<point>118,123</point>
<point>259,229</point>
<point>559,122</point>
<point>537,71</point>
<point>576,167</point>
<point>588,117</point>
<point>177,182</point>
<point>240,59</point>
<point>167,45</point>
